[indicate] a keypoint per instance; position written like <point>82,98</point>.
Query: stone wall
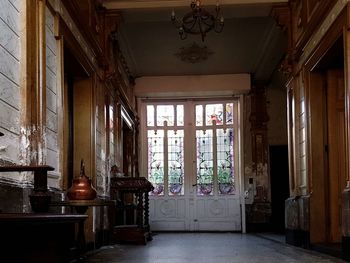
<point>52,107</point>
<point>10,56</point>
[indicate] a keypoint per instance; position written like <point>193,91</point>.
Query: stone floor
<point>208,248</point>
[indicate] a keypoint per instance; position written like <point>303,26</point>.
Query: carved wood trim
<point>77,15</point>
<point>310,22</point>
<point>70,42</point>
<point>334,32</point>
<point>282,15</point>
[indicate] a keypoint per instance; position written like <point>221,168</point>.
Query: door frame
<point>240,137</point>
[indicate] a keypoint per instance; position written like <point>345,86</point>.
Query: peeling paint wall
<point>248,163</point>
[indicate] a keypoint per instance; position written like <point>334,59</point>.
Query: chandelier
<point>198,21</point>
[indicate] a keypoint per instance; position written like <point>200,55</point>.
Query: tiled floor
<point>208,248</point>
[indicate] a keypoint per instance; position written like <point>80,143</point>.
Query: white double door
<point>201,205</point>
<point>195,213</point>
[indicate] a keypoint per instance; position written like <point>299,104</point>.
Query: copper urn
<point>81,187</point>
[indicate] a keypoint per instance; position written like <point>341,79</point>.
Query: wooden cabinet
<point>132,210</point>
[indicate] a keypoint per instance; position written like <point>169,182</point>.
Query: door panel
<point>221,214</point>
<point>168,214</point>
<point>336,152</point>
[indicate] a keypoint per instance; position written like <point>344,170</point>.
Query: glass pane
<point>175,162</point>
<point>213,112</point>
<point>180,115</point>
<point>204,143</point>
<point>150,115</point>
<point>156,161</point>
<point>165,113</point>
<point>229,113</point>
<point>199,115</point>
<point>225,169</point>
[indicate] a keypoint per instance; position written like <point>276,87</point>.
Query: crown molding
<point>132,4</point>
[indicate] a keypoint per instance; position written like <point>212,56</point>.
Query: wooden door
<point>336,151</point>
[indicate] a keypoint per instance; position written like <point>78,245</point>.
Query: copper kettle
<point>81,187</point>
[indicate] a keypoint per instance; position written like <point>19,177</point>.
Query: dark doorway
<point>279,173</point>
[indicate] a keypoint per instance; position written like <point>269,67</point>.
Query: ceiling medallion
<point>198,21</point>
<point>194,53</point>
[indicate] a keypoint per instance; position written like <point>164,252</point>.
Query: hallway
<point>208,248</point>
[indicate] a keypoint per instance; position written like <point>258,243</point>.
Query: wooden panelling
<point>336,145</point>
<point>317,182</point>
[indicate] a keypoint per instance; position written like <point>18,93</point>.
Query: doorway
<point>191,159</point>
<point>77,119</point>
<point>328,137</point>
<point>279,175</point>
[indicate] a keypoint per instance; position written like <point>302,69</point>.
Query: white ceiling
<point>251,42</point>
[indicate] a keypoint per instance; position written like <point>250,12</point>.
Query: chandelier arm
<point>219,30</point>
<point>198,21</point>
<point>201,30</point>
<point>177,23</point>
<point>211,25</point>
<point>183,36</point>
<point>191,27</point>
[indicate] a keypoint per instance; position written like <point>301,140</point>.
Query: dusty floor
<point>208,248</point>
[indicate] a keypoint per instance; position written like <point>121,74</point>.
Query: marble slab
<point>51,120</point>
<point>51,102</point>
<point>10,15</point>
<point>51,140</point>
<point>9,40</point>
<point>10,118</point>
<point>51,61</point>
<point>51,80</point>
<point>9,66</point>
<point>9,92</point>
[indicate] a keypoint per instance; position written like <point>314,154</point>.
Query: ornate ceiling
<point>251,41</point>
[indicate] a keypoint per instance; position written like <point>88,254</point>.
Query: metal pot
<point>81,187</point>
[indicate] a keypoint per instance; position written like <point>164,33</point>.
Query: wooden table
<point>81,207</point>
<point>34,237</point>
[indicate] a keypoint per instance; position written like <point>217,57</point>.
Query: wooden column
<point>33,81</point>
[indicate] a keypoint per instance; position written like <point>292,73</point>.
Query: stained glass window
<point>156,161</point>
<point>165,113</point>
<point>199,115</point>
<point>204,143</point>
<point>150,115</point>
<point>229,113</point>
<point>225,164</point>
<point>180,115</point>
<point>214,148</point>
<point>175,162</point>
<point>214,112</point>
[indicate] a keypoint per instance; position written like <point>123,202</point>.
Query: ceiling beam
<point>133,4</point>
